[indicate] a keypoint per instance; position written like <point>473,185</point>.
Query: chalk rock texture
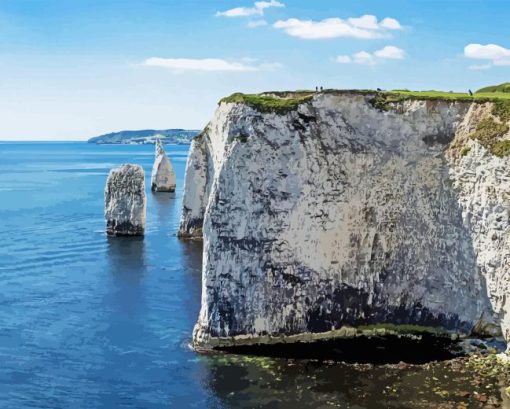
<point>199,175</point>
<point>163,175</point>
<point>125,201</point>
<point>482,182</point>
<point>338,214</point>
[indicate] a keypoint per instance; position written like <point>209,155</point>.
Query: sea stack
<point>163,175</point>
<point>125,201</point>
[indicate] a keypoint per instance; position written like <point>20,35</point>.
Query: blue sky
<point>72,69</point>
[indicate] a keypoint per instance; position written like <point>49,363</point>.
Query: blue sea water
<point>88,321</point>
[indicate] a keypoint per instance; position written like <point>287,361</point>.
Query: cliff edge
<point>326,213</point>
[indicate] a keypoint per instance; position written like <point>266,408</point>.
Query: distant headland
<point>146,136</point>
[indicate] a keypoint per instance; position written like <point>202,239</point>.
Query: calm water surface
<point>88,321</point>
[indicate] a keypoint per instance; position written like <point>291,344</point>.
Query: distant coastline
<point>146,136</point>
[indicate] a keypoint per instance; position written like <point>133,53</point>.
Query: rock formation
<point>199,171</point>
<point>125,201</point>
<point>163,176</point>
<point>345,210</point>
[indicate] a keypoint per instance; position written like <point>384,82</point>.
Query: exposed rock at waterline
<point>125,201</point>
<point>337,214</point>
<point>163,175</point>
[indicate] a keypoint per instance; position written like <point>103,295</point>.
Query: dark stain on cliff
<point>350,306</point>
<point>441,138</point>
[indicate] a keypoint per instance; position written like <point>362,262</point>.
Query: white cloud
<point>257,9</point>
<point>363,58</point>
<point>391,24</point>
<point>389,52</point>
<point>367,21</point>
<point>494,54</point>
<point>364,27</point>
<point>257,23</point>
<point>239,12</point>
<point>343,59</point>
<point>261,5</point>
<point>206,64</point>
<point>211,64</point>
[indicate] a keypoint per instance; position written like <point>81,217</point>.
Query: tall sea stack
<point>125,201</point>
<point>163,175</point>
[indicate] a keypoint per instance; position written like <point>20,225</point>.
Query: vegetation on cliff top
<point>488,134</point>
<point>383,100</point>
<point>278,102</point>
<point>505,87</point>
<point>286,101</point>
<point>501,109</point>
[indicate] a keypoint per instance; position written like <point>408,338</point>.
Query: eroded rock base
<point>375,349</point>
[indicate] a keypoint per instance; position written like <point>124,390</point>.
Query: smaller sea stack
<point>125,201</point>
<point>163,175</point>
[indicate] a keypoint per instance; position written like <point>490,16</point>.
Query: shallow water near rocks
<point>88,321</point>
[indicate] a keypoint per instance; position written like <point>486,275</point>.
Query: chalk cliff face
<point>482,183</point>
<point>163,175</point>
<point>338,214</point>
<point>125,201</point>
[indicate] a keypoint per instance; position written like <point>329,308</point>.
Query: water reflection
<point>191,257</point>
<point>255,382</point>
<point>165,204</point>
<point>191,253</point>
<point>127,258</point>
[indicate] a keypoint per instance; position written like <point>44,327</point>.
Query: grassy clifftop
<point>286,101</point>
<point>278,102</point>
<point>490,132</point>
<point>502,88</point>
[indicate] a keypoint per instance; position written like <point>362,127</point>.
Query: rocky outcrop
<point>482,183</point>
<point>163,175</point>
<point>197,185</point>
<point>344,212</point>
<point>125,201</point>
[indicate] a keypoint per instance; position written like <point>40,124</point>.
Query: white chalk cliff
<point>163,175</point>
<point>337,213</point>
<point>125,201</point>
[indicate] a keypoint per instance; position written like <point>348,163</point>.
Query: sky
<point>74,69</point>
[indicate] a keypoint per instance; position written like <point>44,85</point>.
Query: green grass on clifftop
<point>283,102</point>
<point>489,131</point>
<point>383,100</point>
<point>504,88</point>
<point>442,95</point>
<point>274,102</point>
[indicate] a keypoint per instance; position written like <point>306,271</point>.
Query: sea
<point>90,321</point>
